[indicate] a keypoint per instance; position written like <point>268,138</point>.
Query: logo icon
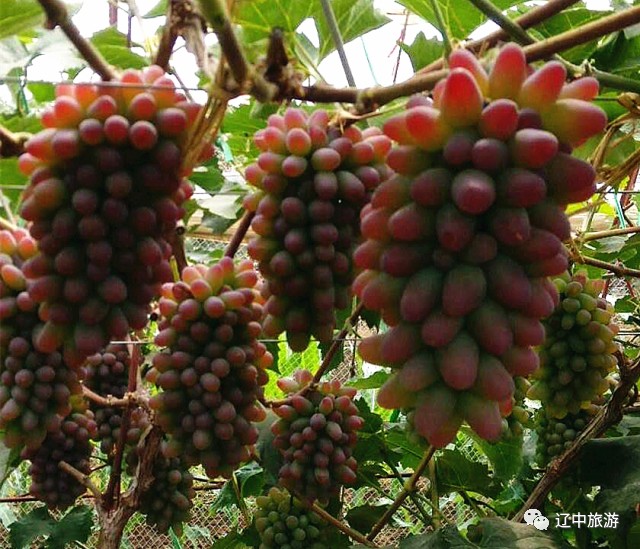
<point>534,518</point>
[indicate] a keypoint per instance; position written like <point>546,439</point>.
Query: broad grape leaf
<point>113,46</point>
<point>423,51</point>
<point>37,522</point>
<point>455,472</point>
<point>258,17</point>
<point>460,18</point>
<point>354,19</point>
<point>74,526</point>
<point>364,517</point>
<point>17,16</point>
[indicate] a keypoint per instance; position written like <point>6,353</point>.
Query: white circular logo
<point>530,515</point>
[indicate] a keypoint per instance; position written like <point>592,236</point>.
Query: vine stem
<point>239,234</point>
<point>337,343</point>
<point>353,534</point>
<point>530,19</point>
<point>609,415</point>
<point>11,144</point>
<point>409,487</point>
<point>113,487</point>
<point>619,270</point>
<point>80,477</point>
<point>371,98</point>
<point>58,16</point>
<point>520,35</point>
<point>605,234</point>
<point>169,36</point>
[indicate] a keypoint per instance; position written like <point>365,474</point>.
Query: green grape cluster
<point>107,374</point>
<point>168,501</point>
<point>555,435</point>
<point>461,239</point>
<point>578,352</point>
<point>515,414</point>
<point>106,191</point>
<point>316,434</point>
<point>35,388</point>
<point>313,180</point>
<point>212,372</point>
<point>283,522</point>
<point>69,442</point>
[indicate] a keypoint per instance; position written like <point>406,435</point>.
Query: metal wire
<point>101,83</point>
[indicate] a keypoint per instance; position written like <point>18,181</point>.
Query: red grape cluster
<point>168,501</point>
<point>107,374</point>
<point>578,352</point>
<point>35,387</point>
<point>212,374</point>
<point>71,443</point>
<point>283,522</point>
<point>313,180</point>
<point>105,194</point>
<point>316,434</point>
<point>461,240</point>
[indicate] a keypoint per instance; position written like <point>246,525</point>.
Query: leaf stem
<point>239,234</point>
<point>353,534</point>
<point>442,28</point>
<point>605,234</point>
<point>408,487</point>
<point>337,40</point>
<point>83,479</point>
<point>617,269</point>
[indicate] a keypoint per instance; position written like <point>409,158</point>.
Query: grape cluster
<point>105,194</point>
<point>577,355</point>
<point>212,374</point>
<point>168,501</point>
<point>107,374</point>
<point>35,387</point>
<point>515,414</point>
<point>316,434</point>
<point>283,522</point>
<point>71,443</point>
<point>313,181</point>
<point>555,435</point>
<point>461,240</point>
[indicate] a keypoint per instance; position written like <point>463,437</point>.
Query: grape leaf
<point>17,16</point>
<point>74,526</point>
<point>374,381</point>
<point>363,518</point>
<point>354,19</point>
<point>37,522</point>
<point>259,17</point>
<point>112,44</point>
<point>423,51</point>
<point>455,472</point>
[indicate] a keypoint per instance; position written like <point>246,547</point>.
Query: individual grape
<point>69,442</point>
<point>213,369</point>
<point>316,434</point>
<point>109,172</point>
<point>458,247</point>
<point>313,182</point>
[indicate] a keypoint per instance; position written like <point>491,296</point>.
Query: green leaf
<point>497,533</point>
<point>9,460</point>
<point>423,51</point>
<point>250,479</point>
<point>270,456</point>
<point>42,91</point>
<point>112,44</point>
<point>17,16</point>
<point>259,17</point>
<point>364,517</point>
<point>455,472</point>
<point>337,358</point>
<point>226,498</point>
<point>354,19</point>
<point>11,178</point>
<point>37,522</point>
<point>231,540</point>
<point>619,485</point>
<point>397,439</point>
<point>74,526</point>
<point>374,381</point>
<point>208,176</point>
<point>505,456</point>
<point>175,540</point>
<point>158,10</point>
<point>238,127</point>
<point>460,18</point>
<point>372,421</point>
